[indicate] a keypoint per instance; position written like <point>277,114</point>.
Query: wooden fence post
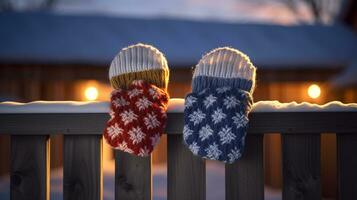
<point>133,178</point>
<point>347,166</point>
<point>29,173</point>
<point>186,172</point>
<point>82,167</point>
<point>301,166</point>
<point>245,178</point>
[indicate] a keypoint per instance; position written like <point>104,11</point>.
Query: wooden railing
<point>82,161</point>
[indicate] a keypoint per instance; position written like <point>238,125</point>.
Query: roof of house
<point>87,39</point>
<point>347,78</point>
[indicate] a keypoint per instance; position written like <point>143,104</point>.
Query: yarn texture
<point>139,76</point>
<point>216,112</point>
<point>216,123</point>
<point>139,62</point>
<point>137,118</point>
<point>157,77</point>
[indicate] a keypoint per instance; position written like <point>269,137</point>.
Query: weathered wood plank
<point>71,123</point>
<point>347,165</point>
<point>45,123</point>
<point>5,154</point>
<point>301,166</point>
<point>245,178</point>
<point>82,167</point>
<point>302,122</point>
<point>259,123</point>
<point>29,173</point>
<point>186,172</point>
<point>133,179</point>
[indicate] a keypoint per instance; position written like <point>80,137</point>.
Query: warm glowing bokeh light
<point>91,93</point>
<point>314,91</point>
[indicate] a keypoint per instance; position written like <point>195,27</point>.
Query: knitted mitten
<point>216,112</point>
<point>139,76</point>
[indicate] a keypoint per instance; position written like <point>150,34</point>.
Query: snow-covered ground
<point>176,105</point>
<point>214,183</point>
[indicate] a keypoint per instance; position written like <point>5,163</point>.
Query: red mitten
<point>138,118</point>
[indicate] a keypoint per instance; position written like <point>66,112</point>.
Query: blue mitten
<point>216,112</point>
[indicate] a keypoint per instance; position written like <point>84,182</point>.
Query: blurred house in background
<point>54,57</point>
<point>58,55</point>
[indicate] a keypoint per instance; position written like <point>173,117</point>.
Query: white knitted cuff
<point>136,58</point>
<point>225,62</point>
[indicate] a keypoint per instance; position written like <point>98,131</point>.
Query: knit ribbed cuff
<point>136,58</point>
<point>200,83</point>
<point>224,67</point>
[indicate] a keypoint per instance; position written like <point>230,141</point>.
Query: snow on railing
<point>276,106</point>
<point>176,105</point>
<point>300,126</point>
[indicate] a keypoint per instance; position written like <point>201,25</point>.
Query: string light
<point>314,91</point>
<point>91,93</point>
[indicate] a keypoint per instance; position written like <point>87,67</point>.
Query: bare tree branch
<point>318,8</point>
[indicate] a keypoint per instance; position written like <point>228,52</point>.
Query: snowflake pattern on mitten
<point>216,122</point>
<point>137,118</point>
